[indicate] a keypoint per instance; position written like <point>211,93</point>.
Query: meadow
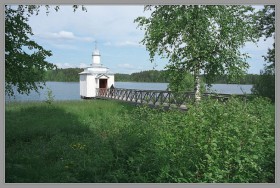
<point>99,141</point>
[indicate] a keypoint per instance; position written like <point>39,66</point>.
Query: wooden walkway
<point>154,97</point>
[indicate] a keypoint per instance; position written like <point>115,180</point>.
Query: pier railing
<point>155,97</point>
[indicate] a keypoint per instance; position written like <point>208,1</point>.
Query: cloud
<point>108,44</point>
<point>103,22</point>
<point>130,68</point>
<point>68,65</point>
<point>128,43</point>
<point>65,46</point>
<point>114,27</point>
<point>65,40</point>
<point>124,44</point>
<point>63,65</point>
<point>63,36</point>
<point>126,65</point>
<point>256,51</point>
<point>83,65</point>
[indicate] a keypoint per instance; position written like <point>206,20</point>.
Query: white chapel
<point>94,77</point>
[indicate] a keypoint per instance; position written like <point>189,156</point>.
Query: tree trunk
<point>197,94</point>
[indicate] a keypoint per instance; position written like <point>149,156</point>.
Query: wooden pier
<point>154,97</point>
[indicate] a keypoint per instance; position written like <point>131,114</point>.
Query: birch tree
<point>200,38</point>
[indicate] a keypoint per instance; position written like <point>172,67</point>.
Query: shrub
<point>49,96</point>
<point>229,142</point>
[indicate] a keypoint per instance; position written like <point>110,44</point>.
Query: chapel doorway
<point>102,83</point>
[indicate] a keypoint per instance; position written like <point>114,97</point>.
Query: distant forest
<point>160,76</point>
<point>63,75</point>
<point>72,75</point>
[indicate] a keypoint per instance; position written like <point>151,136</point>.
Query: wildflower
<point>78,146</point>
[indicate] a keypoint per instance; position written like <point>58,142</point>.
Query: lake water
<point>71,90</point>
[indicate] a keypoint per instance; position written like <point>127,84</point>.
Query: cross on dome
<point>95,44</point>
<point>96,51</point>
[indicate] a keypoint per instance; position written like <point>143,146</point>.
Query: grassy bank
<point>109,141</point>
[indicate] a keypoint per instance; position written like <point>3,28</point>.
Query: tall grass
<point>109,141</point>
<point>57,143</point>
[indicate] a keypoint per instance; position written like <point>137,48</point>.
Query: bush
<point>229,142</point>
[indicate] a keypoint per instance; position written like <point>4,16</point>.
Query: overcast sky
<point>70,36</point>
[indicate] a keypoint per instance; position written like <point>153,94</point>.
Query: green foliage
<point>228,142</point>
<point>148,76</point>
<point>25,60</point>
<point>181,80</point>
<point>246,79</point>
<point>106,142</point>
<point>143,76</point>
<point>265,85</point>
<point>200,37</point>
<point>266,26</point>
<point>49,97</point>
<point>162,76</point>
<point>63,75</point>
<point>122,77</point>
<point>71,75</point>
